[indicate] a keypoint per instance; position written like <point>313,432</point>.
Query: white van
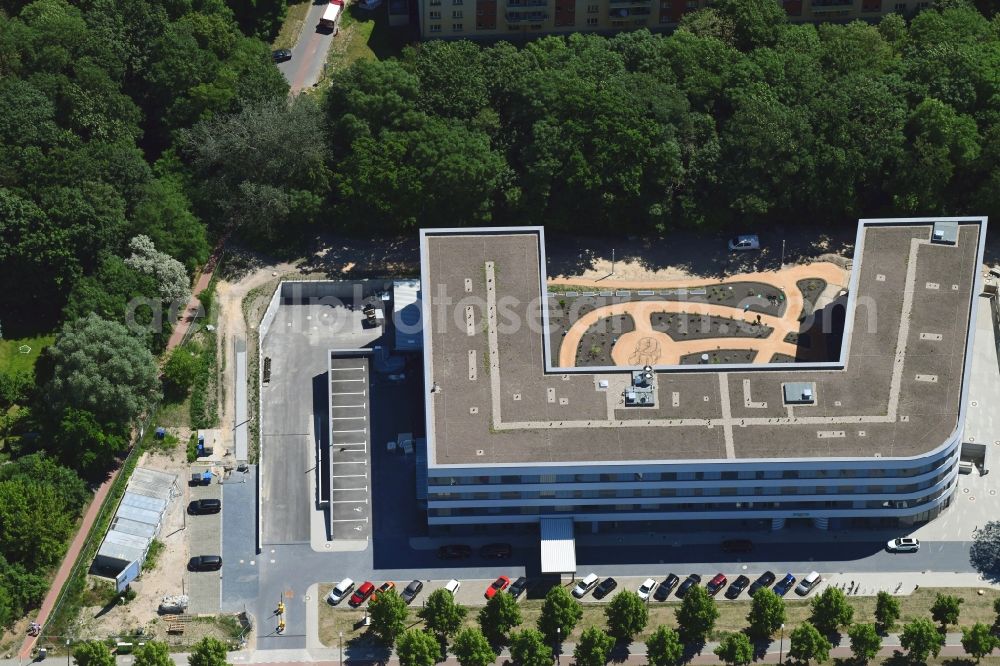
<point>585,585</point>
<point>452,586</point>
<point>341,590</point>
<point>806,585</point>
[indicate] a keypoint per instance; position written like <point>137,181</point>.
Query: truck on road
<point>331,15</point>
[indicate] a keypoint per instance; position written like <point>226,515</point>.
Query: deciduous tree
<point>830,610</point>
<point>735,649</point>
<point>886,611</point>
<point>415,647</point>
<point>153,653</point>
<point>472,649</point>
<point>921,638</point>
<point>806,643</point>
<point>626,614</point>
<point>560,611</point>
<point>945,609</point>
<point>528,648</point>
<point>767,613</point>
<point>208,651</point>
<point>593,648</point>
<point>865,642</point>
<point>388,616</point>
<point>664,647</point>
<point>93,653</point>
<point>978,640</point>
<point>499,616</point>
<point>442,616</point>
<point>696,616</point>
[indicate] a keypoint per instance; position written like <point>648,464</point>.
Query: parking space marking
<point>348,476</point>
<point>361,501</point>
<point>350,393</point>
<point>349,462</point>
<point>363,405</point>
<point>360,430</point>
<point>347,369</point>
<point>349,520</point>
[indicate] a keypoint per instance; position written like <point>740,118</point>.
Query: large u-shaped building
<point>870,438</point>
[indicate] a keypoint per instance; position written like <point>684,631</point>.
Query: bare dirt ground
<point>163,579</point>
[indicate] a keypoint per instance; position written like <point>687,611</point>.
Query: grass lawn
<point>292,26</point>
<point>174,414</point>
<point>13,360</point>
<point>364,35</point>
<point>732,615</point>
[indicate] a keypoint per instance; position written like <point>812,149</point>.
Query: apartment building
<point>519,18</point>
<point>872,438</point>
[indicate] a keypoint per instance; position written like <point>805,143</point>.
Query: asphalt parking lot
<point>204,535</point>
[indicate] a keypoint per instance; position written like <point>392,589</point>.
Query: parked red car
<point>499,585</point>
<point>361,594</point>
<point>716,584</point>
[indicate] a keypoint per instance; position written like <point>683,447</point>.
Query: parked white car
<point>585,585</point>
<point>646,589</point>
<point>452,586</point>
<point>747,242</point>
<point>903,545</point>
<point>340,591</point>
<point>806,585</point>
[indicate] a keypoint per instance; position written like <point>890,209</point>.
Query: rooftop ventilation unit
<point>799,393</point>
<point>945,233</point>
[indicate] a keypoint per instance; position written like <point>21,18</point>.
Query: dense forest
<point>136,134</point>
<point>95,211</point>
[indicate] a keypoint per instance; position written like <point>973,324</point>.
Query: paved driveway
<point>204,538</point>
<point>309,53</point>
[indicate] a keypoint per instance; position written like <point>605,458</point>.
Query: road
<point>309,53</point>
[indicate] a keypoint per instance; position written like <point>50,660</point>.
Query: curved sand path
<point>648,346</point>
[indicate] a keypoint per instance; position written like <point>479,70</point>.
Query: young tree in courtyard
<point>696,616</point>
<point>985,551</point>
<point>415,647</point>
<point>830,610</point>
<point>388,616</point>
<point>153,653</point>
<point>978,640</point>
<point>767,613</point>
<point>664,647</point>
<point>560,611</point>
<point>921,638</point>
<point>93,653</point>
<point>528,648</point>
<point>594,648</point>
<point>735,649</point>
<point>208,652</point>
<point>807,643</point>
<point>627,615</point>
<point>442,616</point>
<point>886,611</point>
<point>945,610</point>
<point>472,649</point>
<point>865,642</point>
<point>499,616</point>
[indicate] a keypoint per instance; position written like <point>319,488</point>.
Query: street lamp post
<point>558,643</point>
<point>341,644</point>
<point>67,652</point>
<point>781,644</point>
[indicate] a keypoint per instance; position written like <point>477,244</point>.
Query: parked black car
<point>737,587</point>
<point>518,587</point>
<point>765,580</point>
<point>412,590</point>
<point>454,552</point>
<point>281,55</point>
<point>205,563</point>
<point>664,588</point>
<point>737,545</point>
<point>605,587</point>
<point>688,583</point>
<point>203,506</point>
<point>495,551</point>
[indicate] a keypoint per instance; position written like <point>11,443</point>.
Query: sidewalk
<point>633,654</point>
<point>73,552</point>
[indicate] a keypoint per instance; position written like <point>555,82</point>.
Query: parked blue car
<point>785,584</point>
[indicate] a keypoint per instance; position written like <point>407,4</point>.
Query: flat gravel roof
<point>897,394</point>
